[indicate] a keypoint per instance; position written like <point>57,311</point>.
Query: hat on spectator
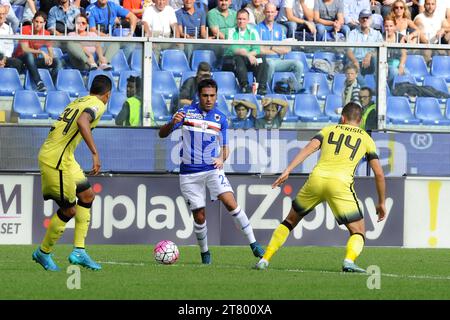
<point>365,14</point>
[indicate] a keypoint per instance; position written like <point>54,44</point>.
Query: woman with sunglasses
<point>402,19</point>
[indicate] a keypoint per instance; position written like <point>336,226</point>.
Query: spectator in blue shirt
<point>246,114</point>
<point>61,18</point>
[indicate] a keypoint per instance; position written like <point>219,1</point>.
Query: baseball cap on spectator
<point>365,14</point>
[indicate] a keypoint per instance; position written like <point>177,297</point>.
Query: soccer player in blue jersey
<point>203,152</point>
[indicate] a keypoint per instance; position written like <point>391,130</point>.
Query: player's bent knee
<point>69,212</point>
<point>86,196</point>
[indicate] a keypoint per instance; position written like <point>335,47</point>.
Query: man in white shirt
<point>7,45</point>
<point>11,18</point>
<point>434,28</point>
<point>297,15</point>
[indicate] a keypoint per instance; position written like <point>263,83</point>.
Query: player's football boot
<point>206,257</point>
<point>352,267</point>
<point>80,257</point>
<point>261,265</point>
<point>45,260</point>
<point>257,250</point>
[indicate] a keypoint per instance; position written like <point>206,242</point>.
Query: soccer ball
<point>166,252</point>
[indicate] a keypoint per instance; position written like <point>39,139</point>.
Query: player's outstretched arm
<point>83,123</point>
<point>309,149</point>
<point>381,188</point>
<point>166,129</point>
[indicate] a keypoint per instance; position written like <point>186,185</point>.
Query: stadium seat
<point>320,78</point>
<point>447,109</point>
<point>298,55</point>
<point>27,105</point>
<point>290,115</point>
<point>123,79</point>
<point>416,66</point>
<point>45,76</point>
<point>159,108</point>
<point>227,83</point>
<point>332,102</point>
<point>55,103</point>
<point>115,102</point>
<point>330,56</point>
<point>10,81</point>
<point>429,111</point>
<point>223,106</point>
<point>338,84</point>
<point>371,81</point>
<point>119,63</point>
<point>398,111</point>
<point>57,52</point>
<point>18,10</point>
<point>94,73</point>
<point>307,108</point>
<point>136,61</point>
<point>164,83</point>
<point>404,78</point>
<point>175,61</point>
<point>437,83</point>
<point>120,32</point>
<point>71,81</point>
<point>440,67</point>
<point>277,76</point>
<point>203,55</point>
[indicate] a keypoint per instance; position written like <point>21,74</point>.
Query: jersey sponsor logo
<point>217,117</point>
<point>193,115</point>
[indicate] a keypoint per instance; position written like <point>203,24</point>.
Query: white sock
<point>241,221</point>
<point>202,239</point>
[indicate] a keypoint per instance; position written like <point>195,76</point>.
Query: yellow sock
<point>82,219</point>
<point>279,236</point>
<point>54,232</point>
<point>355,245</point>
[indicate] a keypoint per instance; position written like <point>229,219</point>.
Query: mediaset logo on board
<point>16,204</point>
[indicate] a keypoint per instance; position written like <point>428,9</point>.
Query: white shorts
<point>193,187</point>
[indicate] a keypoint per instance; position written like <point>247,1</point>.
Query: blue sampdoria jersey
<point>203,134</point>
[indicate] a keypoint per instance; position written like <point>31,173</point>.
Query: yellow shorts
<point>63,185</point>
<point>340,196</point>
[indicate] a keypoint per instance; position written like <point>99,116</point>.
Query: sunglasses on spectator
<point>395,8</point>
<point>81,22</point>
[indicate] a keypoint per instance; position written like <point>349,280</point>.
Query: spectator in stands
<point>131,113</point>
<point>329,19</point>
<point>176,4</point>
<point>30,52</point>
<point>403,23</point>
<point>81,55</point>
<point>269,30</point>
<point>29,9</point>
<point>246,114</point>
<point>11,17</point>
<point>241,58</point>
<point>61,18</point>
<point>7,45</point>
<point>433,26</point>
<point>297,15</point>
<point>221,19</point>
<point>351,88</point>
<point>255,11</point>
<point>274,112</point>
<point>352,8</point>
<point>363,58</point>
<point>396,57</point>
<point>442,9</point>
<point>188,90</point>
<point>137,8</point>
<point>369,115</point>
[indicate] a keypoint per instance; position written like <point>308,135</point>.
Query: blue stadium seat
<point>277,76</point>
<point>321,79</point>
<point>298,55</point>
<point>203,55</point>
<point>164,83</point>
<point>136,61</point>
<point>57,52</point>
<point>115,102</point>
<point>56,102</point>
<point>120,32</point>
<point>371,82</point>
<point>398,111</point>
<point>332,102</point>
<point>71,81</point>
<point>447,109</point>
<point>159,108</point>
<point>94,73</point>
<point>440,67</point>
<point>404,78</point>
<point>416,66</point>
<point>307,108</point>
<point>10,81</point>
<point>330,56</point>
<point>27,105</point>
<point>119,63</point>
<point>175,61</point>
<point>123,79</point>
<point>223,106</point>
<point>429,111</point>
<point>290,115</point>
<point>338,84</point>
<point>18,10</point>
<point>437,83</point>
<point>45,76</point>
<point>227,83</point>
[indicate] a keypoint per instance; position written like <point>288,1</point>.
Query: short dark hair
<point>204,66</point>
<point>368,89</point>
<point>352,111</point>
<point>242,11</point>
<point>40,14</point>
<point>136,80</point>
<point>206,83</point>
<point>101,85</point>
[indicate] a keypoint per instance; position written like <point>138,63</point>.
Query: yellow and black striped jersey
<point>59,146</point>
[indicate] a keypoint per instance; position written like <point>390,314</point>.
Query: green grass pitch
<point>129,272</point>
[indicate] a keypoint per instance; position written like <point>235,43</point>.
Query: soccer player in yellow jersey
<point>63,179</point>
<point>343,146</point>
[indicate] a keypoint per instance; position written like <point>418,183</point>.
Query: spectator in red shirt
<point>32,55</point>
